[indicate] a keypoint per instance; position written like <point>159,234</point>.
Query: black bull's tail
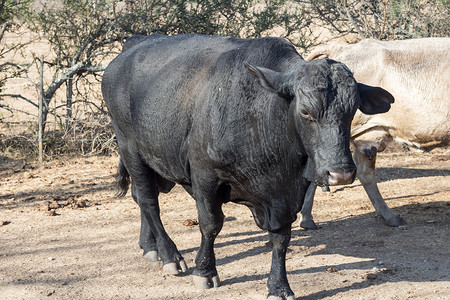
<point>123,180</point>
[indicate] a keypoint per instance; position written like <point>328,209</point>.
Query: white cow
<point>417,73</point>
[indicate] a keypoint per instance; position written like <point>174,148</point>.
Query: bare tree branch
<point>353,21</point>
<point>12,110</point>
<point>68,74</point>
<point>19,97</point>
<point>3,29</point>
<point>102,53</point>
<point>22,69</point>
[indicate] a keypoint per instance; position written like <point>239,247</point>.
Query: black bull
<point>230,120</point>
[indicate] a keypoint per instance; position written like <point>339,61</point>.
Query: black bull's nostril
<point>339,178</point>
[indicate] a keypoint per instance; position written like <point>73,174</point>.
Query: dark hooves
<point>151,255</point>
<point>175,268</point>
<point>308,224</point>
<point>326,189</point>
<point>206,282</point>
<point>291,297</point>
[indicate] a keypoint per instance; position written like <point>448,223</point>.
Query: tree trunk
<point>69,102</point>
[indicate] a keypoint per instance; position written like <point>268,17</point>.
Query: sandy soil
<point>88,248</point>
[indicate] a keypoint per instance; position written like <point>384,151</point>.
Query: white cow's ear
<point>374,100</point>
<point>274,81</point>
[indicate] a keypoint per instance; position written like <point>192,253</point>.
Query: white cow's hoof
<point>308,224</point>
<point>395,221</point>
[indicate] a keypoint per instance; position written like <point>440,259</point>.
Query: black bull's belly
<point>188,109</point>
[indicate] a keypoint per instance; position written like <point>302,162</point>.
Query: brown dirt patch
<point>88,248</point>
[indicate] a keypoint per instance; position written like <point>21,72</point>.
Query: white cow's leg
<point>365,164</point>
<point>307,221</point>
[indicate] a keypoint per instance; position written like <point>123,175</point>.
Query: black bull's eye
<point>305,114</point>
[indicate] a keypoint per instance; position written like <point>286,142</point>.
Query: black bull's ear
<point>374,100</point>
<point>274,81</point>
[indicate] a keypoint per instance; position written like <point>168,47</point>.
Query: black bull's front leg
<point>278,284</point>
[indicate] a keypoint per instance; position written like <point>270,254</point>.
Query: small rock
<point>53,205</point>
<point>380,262</point>
<point>403,227</point>
<point>28,176</point>
<point>190,222</point>
<point>63,203</point>
<point>440,158</point>
<point>331,270</point>
<point>27,166</point>
<point>3,223</point>
<point>51,258</point>
<point>82,203</point>
<point>370,276</point>
<point>60,197</point>
<point>50,213</point>
<point>44,207</point>
<point>19,195</point>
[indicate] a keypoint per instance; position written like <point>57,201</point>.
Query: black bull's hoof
<point>206,282</point>
<point>291,297</point>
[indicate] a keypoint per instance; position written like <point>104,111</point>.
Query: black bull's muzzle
<point>337,175</point>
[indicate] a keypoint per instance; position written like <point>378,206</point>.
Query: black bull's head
<point>325,98</point>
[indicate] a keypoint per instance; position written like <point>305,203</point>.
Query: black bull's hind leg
<point>153,238</point>
<point>147,240</point>
<point>153,231</point>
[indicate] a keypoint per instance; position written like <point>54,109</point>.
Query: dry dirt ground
<point>87,248</point>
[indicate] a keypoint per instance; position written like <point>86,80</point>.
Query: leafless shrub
<point>383,19</point>
<point>84,36</point>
